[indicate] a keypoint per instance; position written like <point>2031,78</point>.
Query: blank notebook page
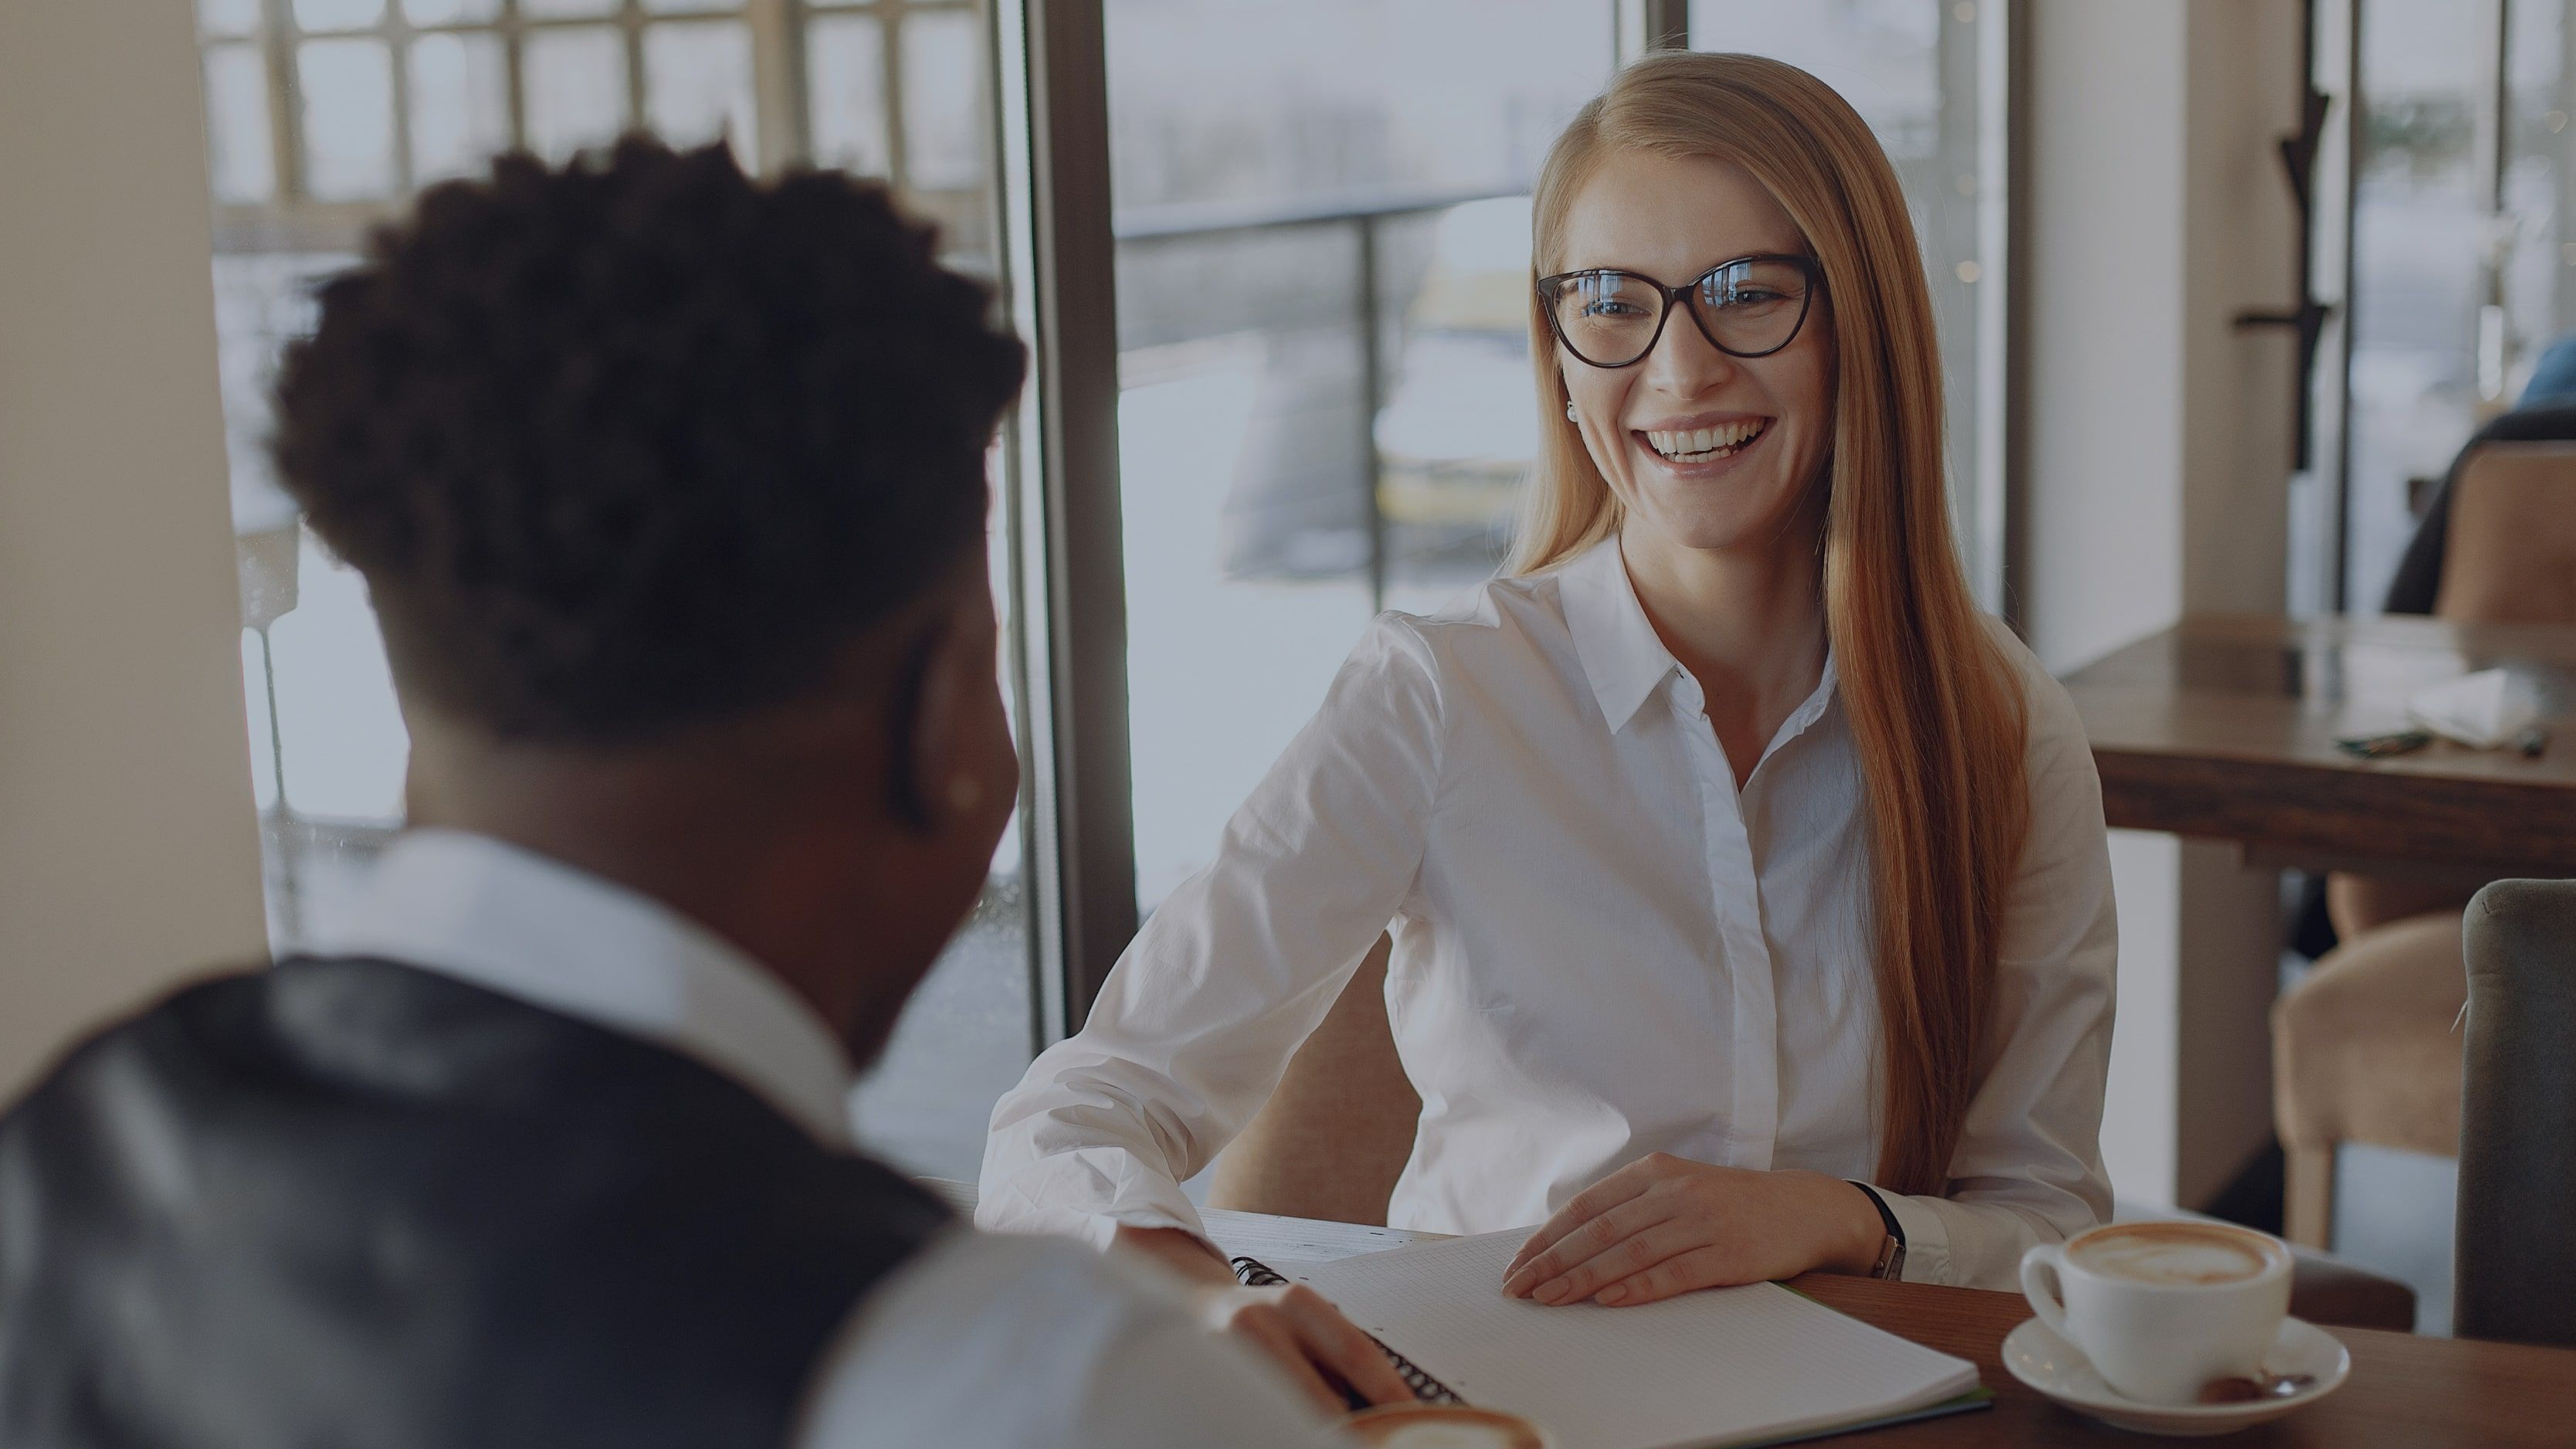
<point>1727,1366</point>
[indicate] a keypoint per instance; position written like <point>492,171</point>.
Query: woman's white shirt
<point>1602,949</point>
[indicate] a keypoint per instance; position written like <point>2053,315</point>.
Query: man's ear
<point>922,715</point>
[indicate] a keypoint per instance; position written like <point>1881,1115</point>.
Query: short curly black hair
<point>641,442</point>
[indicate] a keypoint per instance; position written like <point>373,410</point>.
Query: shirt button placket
<point>1752,1049</point>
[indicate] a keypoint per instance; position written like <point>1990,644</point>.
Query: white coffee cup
<point>2163,1308</point>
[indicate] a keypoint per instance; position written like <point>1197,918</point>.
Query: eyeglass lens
<point>1749,307</point>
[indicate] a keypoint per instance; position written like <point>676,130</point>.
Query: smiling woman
<point>1731,859</point>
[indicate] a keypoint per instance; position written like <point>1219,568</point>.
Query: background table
<point>2404,1390</point>
<point>2224,727</point>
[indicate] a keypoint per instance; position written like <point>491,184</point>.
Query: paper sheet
<point>1726,1366</point>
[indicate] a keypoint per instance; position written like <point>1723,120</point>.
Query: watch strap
<point>1891,1250</point>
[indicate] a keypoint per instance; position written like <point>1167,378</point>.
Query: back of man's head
<point>642,444</point>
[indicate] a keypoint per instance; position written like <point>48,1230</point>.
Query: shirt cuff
<point>1927,1238</point>
<point>1088,1194</point>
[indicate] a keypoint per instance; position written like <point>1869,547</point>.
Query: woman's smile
<point>1701,446</point>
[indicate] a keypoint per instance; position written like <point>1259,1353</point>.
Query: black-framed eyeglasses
<point>1749,306</point>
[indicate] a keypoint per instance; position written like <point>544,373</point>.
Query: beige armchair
<point>2364,1049</point>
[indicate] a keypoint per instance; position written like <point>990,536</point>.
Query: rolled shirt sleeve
<point>1196,1024</point>
<point>2029,1164</point>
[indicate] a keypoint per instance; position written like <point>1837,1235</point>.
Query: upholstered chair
<point>2516,1274</point>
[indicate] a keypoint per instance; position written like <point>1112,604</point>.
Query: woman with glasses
<point>1749,891</point>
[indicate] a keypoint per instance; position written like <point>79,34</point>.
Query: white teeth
<point>1696,444</point>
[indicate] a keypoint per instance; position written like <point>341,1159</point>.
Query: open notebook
<point>1732,1366</point>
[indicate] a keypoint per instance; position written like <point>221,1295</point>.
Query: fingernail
<point>1612,1294</point>
<point>1554,1290</point>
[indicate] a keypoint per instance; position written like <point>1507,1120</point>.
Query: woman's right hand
<point>1292,1325</point>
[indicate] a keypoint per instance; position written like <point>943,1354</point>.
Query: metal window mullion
<point>778,81</point>
<point>2356,99</point>
<point>513,32</point>
<point>2002,300</point>
<point>630,20</point>
<point>397,34</point>
<point>1642,27</point>
<point>1065,284</point>
<point>285,98</point>
<point>1023,467</point>
<point>890,64</point>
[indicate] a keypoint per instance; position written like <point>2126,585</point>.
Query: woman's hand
<point>1664,1225</point>
<point>1293,1326</point>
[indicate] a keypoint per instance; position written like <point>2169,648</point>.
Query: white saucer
<point>2048,1363</point>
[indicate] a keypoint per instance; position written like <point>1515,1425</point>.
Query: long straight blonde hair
<point>1934,705</point>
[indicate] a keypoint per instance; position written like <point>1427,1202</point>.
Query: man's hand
<point>1663,1225</point>
<point>1293,1326</point>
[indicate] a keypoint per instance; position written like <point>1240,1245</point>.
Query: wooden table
<point>2224,727</point>
<point>2404,1390</point>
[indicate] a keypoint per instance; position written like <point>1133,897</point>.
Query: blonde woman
<point>1750,898</point>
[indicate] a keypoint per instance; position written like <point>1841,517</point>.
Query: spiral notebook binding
<point>1253,1273</point>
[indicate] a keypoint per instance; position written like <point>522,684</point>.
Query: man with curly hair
<point>669,487</point>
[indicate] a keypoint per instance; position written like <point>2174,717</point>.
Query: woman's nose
<point>1684,362</point>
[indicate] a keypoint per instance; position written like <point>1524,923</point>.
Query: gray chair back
<point>2517,1212</point>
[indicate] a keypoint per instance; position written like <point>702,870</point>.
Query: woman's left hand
<point>1664,1225</point>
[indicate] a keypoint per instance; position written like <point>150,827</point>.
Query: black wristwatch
<point>1891,1250</point>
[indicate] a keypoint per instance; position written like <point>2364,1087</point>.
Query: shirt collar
<point>1621,655</point>
<point>1625,660</point>
<point>528,926</point>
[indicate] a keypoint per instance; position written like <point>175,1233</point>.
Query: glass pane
<point>964,1040</point>
<point>1911,68</point>
<point>845,69</point>
<point>240,160</point>
<point>697,86</point>
<point>2421,250</point>
<point>262,299</point>
<point>2540,151</point>
<point>228,17</point>
<point>576,89</point>
<point>343,754</point>
<point>567,9</point>
<point>338,14</point>
<point>943,101</point>
<point>460,104</point>
<point>345,742</point>
<point>451,12</point>
<point>1251,463</point>
<point>348,93</point>
<point>690,7</point>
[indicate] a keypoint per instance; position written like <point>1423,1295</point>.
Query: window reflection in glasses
<point>1746,306</point>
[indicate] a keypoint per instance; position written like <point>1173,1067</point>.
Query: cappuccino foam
<point>2179,1254</point>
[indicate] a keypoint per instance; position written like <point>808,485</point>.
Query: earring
<point>1569,410</point>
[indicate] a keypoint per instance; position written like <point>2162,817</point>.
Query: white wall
<point>2158,448</point>
<point>128,847</point>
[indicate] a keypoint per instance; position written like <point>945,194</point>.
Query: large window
<point>1322,267</point>
<point>1322,354</point>
<point>323,117</point>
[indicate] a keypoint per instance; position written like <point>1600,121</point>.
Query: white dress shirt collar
<point>1623,657</point>
<point>527,926</point>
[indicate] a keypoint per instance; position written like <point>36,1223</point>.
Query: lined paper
<point>1726,1366</point>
